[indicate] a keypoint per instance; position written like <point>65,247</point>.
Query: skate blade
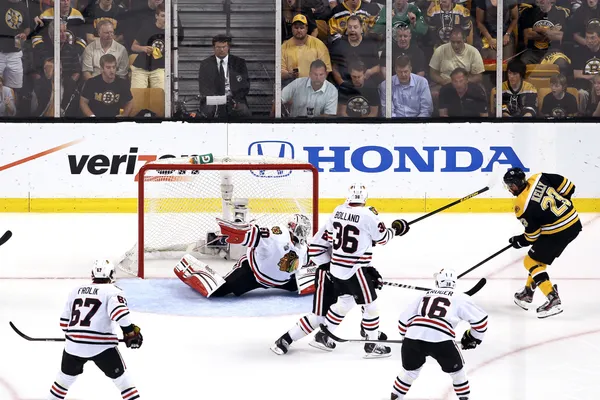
<point>275,349</point>
<point>320,346</point>
<point>377,355</point>
<point>549,313</point>
<point>524,305</point>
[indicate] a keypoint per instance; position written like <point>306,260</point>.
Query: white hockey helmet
<point>357,194</point>
<point>446,278</point>
<point>103,269</point>
<point>300,227</point>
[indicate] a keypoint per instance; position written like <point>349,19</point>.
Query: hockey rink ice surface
<point>196,348</point>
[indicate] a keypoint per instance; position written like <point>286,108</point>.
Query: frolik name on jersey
<point>347,216</point>
<point>88,290</point>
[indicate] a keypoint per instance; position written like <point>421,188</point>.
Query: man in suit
<point>225,74</point>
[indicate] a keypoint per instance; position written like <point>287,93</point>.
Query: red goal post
<point>179,200</point>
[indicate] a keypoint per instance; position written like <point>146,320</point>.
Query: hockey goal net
<point>179,200</point>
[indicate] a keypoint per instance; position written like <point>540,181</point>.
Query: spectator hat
<point>300,18</point>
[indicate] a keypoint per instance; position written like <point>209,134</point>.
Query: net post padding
<point>258,178</point>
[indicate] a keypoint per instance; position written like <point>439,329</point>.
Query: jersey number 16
<point>434,308</point>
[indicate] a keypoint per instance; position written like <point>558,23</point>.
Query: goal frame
<point>218,167</point>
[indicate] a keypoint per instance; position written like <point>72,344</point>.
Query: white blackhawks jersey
<point>319,249</point>
<point>89,318</point>
<point>352,230</point>
<point>433,317</point>
<point>272,255</point>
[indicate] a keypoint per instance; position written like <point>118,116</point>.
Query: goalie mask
<point>103,269</point>
<point>446,278</point>
<point>300,227</point>
<point>357,194</point>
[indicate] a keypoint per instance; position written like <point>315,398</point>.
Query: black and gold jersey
<point>544,207</point>
<point>519,102</point>
<point>534,17</point>
<point>442,22</point>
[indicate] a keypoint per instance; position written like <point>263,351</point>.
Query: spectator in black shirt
<point>353,47</point>
<point>559,103</point>
<point>402,47</point>
<point>586,64</point>
<point>105,95</point>
<point>14,28</point>
<point>101,11</point>
<point>584,17</point>
<point>461,98</point>
<point>356,98</point>
<point>148,69</point>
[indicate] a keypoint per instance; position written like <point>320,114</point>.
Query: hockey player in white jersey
<point>352,230</point>
<point>319,257</point>
<point>428,326</point>
<point>88,321</point>
<point>272,260</point>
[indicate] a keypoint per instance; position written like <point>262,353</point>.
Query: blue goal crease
<point>173,297</point>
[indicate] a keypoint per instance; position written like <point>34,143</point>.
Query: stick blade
<point>7,235</point>
<point>478,286</point>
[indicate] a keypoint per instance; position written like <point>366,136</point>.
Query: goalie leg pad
<point>198,275</point>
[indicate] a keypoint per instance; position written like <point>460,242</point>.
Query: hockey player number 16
<point>436,308</point>
<point>93,304</point>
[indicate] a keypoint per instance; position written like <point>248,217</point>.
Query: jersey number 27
<point>91,303</point>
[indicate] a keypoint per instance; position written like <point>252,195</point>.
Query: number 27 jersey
<point>89,316</point>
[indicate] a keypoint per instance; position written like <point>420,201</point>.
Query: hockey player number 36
<point>434,308</point>
<point>346,237</point>
<point>93,304</point>
<point>551,199</point>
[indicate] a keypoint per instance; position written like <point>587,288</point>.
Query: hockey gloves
<point>468,341</point>
<point>375,277</point>
<point>519,241</point>
<point>132,336</point>
<point>400,227</point>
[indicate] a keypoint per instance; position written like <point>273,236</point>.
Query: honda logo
<point>271,148</point>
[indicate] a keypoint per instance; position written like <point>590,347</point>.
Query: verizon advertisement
<point>395,161</point>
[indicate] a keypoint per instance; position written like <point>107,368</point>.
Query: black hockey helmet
<point>515,176</point>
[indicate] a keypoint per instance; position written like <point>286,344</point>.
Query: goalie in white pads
<point>273,259</point>
<point>87,320</point>
<point>352,230</point>
<point>428,328</point>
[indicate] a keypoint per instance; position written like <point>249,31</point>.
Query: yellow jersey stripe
<point>561,224</point>
<point>562,185</point>
<point>562,228</point>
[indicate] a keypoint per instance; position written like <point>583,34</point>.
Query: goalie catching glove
<point>400,227</point>
<point>468,341</point>
<point>132,336</point>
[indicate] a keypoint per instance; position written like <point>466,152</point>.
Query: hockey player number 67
<point>434,308</point>
<point>76,313</point>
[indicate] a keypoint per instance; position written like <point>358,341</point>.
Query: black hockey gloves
<point>468,341</point>
<point>519,241</point>
<point>375,277</point>
<point>400,227</point>
<point>133,337</point>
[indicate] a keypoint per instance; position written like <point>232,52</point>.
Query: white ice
<point>225,357</point>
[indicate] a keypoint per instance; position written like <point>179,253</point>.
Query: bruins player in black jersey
<point>544,207</point>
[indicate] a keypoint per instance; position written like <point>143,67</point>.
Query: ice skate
<point>323,342</point>
<point>377,350</point>
<point>552,306</point>
<point>282,345</point>
<point>524,298</point>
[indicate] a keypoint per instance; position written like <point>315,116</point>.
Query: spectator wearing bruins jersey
<point>75,28</point>
<point>586,64</point>
<point>582,18</point>
<point>367,13</point>
<point>543,205</point>
<point>442,17</point>
<point>543,30</point>
<point>519,98</point>
<point>559,103</point>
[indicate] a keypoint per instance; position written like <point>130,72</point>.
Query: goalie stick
<point>7,235</point>
<point>339,339</point>
<point>29,338</point>
<point>478,286</point>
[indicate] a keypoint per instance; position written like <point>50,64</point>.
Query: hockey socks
<point>61,386</point>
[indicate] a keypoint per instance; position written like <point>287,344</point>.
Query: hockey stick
<point>7,235</point>
<point>491,183</point>
<point>484,261</point>
<point>29,338</point>
<point>339,339</point>
<point>478,286</point>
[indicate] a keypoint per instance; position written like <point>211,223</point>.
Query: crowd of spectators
<point>444,58</point>
<point>107,47</point>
